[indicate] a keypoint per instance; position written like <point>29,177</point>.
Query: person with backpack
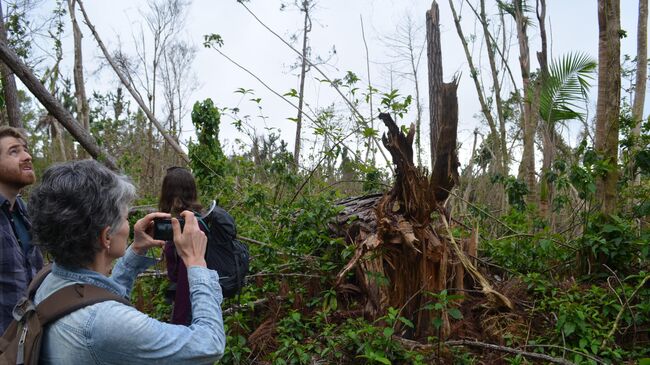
<point>79,216</point>
<point>178,193</point>
<point>224,253</point>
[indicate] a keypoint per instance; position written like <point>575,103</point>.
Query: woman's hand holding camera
<point>142,233</point>
<point>191,242</point>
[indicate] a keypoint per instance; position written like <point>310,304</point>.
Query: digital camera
<point>162,227</point>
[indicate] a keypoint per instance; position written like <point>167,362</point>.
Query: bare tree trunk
<point>418,107</point>
<point>641,75</point>
<point>434,55</point>
<point>444,175</point>
<point>496,151</point>
<point>468,175</point>
<point>303,74</point>
<point>53,106</point>
<point>372,119</point>
<point>549,140</point>
<point>496,86</point>
<point>608,104</point>
<point>131,90</point>
<point>83,110</point>
<point>548,156</point>
<point>58,136</point>
<point>529,117</point>
<point>9,83</point>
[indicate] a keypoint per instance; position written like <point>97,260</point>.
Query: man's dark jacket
<point>16,268</point>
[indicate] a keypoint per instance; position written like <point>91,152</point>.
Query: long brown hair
<point>178,192</point>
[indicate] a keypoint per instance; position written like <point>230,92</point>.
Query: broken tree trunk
<point>404,247</point>
<point>400,257</point>
<point>405,250</point>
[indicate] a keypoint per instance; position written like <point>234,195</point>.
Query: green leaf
<point>644,361</point>
<point>607,228</point>
<point>455,313</point>
<point>369,132</point>
<point>569,328</point>
<point>565,88</point>
<point>437,322</point>
<point>292,93</point>
<point>388,332</point>
<point>372,355</point>
<point>583,343</point>
<point>643,161</point>
<point>407,322</point>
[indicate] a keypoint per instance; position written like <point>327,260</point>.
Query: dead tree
<point>404,246</point>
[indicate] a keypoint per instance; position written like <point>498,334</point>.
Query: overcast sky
<point>572,27</point>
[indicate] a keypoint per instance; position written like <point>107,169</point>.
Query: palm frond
<point>565,89</point>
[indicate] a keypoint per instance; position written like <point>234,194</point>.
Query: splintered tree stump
<point>404,248</point>
<point>399,256</point>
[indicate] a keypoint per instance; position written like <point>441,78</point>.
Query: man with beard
<point>19,260</point>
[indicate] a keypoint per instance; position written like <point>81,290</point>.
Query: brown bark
<point>434,56</point>
<point>529,117</point>
<point>549,140</point>
<point>548,155</point>
<point>131,90</point>
<point>9,83</point>
<point>83,110</point>
<point>54,107</point>
<point>445,172</point>
<point>641,74</point>
<point>396,239</point>
<point>608,104</point>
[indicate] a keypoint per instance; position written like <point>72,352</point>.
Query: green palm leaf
<point>565,89</point>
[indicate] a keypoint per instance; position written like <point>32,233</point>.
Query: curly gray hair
<point>74,202</point>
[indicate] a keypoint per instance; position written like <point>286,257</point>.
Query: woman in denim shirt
<point>79,215</point>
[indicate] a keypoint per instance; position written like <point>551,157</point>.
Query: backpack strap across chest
<point>21,342</point>
<point>67,299</point>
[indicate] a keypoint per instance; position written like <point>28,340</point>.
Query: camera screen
<point>162,228</point>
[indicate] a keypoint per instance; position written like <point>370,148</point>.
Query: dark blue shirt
<point>17,267</point>
<point>22,232</point>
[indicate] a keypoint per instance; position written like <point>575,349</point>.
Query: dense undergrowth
<point>580,282</point>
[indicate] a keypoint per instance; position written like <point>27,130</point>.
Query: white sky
<point>572,27</point>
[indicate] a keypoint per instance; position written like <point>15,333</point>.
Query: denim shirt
<point>114,333</point>
<point>16,268</point>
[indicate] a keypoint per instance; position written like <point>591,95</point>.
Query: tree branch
<point>54,107</point>
<point>129,87</point>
